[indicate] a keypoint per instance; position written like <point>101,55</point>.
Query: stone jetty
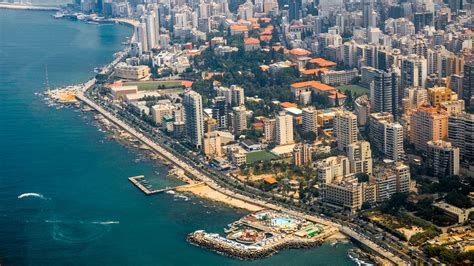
<point>248,252</point>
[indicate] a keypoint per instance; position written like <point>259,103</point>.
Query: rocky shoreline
<point>243,252</point>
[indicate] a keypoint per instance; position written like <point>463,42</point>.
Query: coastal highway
<point>212,184</point>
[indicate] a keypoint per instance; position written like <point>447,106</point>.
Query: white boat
<point>58,15</point>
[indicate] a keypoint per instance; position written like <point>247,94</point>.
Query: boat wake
<point>74,232</point>
<point>26,195</point>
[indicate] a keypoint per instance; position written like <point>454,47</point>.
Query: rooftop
<point>322,62</point>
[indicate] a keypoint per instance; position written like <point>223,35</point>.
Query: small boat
<point>58,15</point>
<point>92,22</point>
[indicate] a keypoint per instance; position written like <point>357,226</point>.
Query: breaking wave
<point>31,194</point>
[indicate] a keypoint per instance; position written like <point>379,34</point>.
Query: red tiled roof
<point>322,62</point>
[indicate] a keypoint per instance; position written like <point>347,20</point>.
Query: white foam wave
<point>81,222</point>
<point>106,222</point>
<point>181,196</point>
<point>31,194</point>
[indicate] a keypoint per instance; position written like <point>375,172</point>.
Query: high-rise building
<point>362,108</point>
<point>443,158</point>
<point>413,98</point>
<point>367,8</point>
<point>150,22</point>
<point>310,120</point>
<point>294,11</point>
<point>345,128</point>
<point>393,148</point>
<point>384,92</point>
<point>302,154</point>
<point>390,179</point>
<point>238,96</point>
<point>414,72</point>
<point>226,93</point>
<point>386,136</point>
<point>220,113</point>
<point>239,119</point>
<point>461,135</point>
<point>141,36</point>
<point>360,157</point>
<point>269,129</point>
<point>422,19</point>
<point>377,125</point>
<point>468,83</point>
<point>192,102</point>
<point>428,123</point>
<point>284,129</point>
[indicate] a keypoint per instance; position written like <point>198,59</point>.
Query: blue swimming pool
<point>282,221</point>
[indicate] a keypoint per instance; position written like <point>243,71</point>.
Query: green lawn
<point>257,156</point>
<point>154,85</point>
<point>354,89</point>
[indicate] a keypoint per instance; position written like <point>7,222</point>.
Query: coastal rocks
<point>233,249</point>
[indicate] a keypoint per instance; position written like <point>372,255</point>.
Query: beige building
<point>124,71</point>
<point>284,129</point>
<point>348,194</point>
<point>345,128</point>
<point>269,129</point>
<point>239,123</point>
<point>426,124</point>
<point>360,157</point>
<point>413,98</point>
<point>212,145</point>
<point>453,107</point>
<point>302,154</point>
<point>160,111</point>
<point>122,91</point>
<point>327,170</point>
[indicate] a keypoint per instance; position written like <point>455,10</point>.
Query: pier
<point>136,181</point>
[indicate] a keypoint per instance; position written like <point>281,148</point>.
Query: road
<point>185,166</point>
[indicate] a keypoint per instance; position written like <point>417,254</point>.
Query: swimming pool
<point>282,221</point>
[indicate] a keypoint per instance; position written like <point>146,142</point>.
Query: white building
<point>345,128</point>
<point>192,102</point>
<point>310,120</point>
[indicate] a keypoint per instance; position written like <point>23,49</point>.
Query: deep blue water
<point>89,212</point>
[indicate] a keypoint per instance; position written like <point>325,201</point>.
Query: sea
<point>64,194</point>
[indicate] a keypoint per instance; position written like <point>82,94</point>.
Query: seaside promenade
<point>212,184</point>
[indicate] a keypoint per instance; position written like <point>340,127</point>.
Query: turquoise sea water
<point>85,211</point>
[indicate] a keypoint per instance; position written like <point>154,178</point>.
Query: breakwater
<point>237,250</point>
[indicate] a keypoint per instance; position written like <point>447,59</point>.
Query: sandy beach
<point>337,237</point>
<point>202,190</point>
